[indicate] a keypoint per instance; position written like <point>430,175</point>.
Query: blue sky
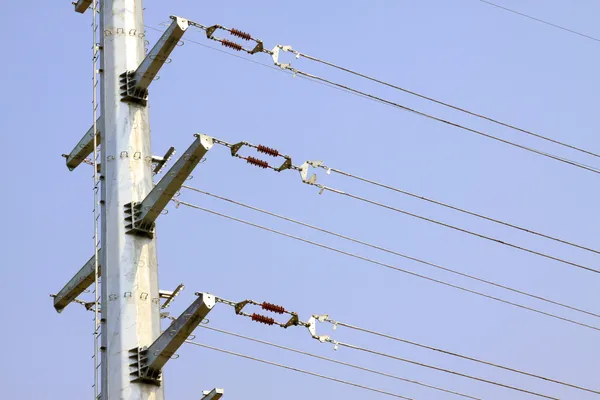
<point>462,51</point>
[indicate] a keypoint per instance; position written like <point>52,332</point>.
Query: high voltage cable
<point>179,202</point>
<point>271,67</point>
<point>391,251</point>
<point>540,20</point>
<point>334,85</point>
<point>454,124</point>
<point>448,371</point>
<point>338,362</point>
<point>446,104</point>
<point>353,196</point>
<point>299,370</point>
<point>460,209</point>
<point>338,323</point>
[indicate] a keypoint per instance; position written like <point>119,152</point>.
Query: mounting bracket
<point>82,5</point>
<point>141,216</point>
<point>85,146</point>
<point>77,285</point>
<point>134,84</point>
<point>148,362</point>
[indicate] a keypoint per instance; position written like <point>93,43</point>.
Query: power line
<point>537,135</point>
<point>338,362</point>
<point>338,323</point>
<point>540,20</point>
<point>454,124</point>
<point>445,370</point>
<point>298,370</point>
<point>390,251</point>
<point>460,209</point>
<point>179,202</point>
<point>322,187</point>
<point>330,84</point>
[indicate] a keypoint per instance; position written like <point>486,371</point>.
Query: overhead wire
<point>334,85</point>
<point>463,210</point>
<point>389,266</point>
<point>302,371</point>
<point>445,104</point>
<point>445,370</point>
<point>450,123</point>
<point>480,361</point>
<point>331,360</point>
<point>332,233</point>
<point>454,227</point>
<point>541,20</point>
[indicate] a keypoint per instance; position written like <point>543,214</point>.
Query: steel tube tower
<point>130,307</point>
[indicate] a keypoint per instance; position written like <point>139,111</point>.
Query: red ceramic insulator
<point>267,150</point>
<point>257,162</point>
<point>232,45</point>
<point>273,308</point>
<point>263,319</point>
<point>238,33</point>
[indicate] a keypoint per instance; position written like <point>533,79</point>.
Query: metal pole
<point>130,305</point>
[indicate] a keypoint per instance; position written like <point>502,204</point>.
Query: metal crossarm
<point>134,84</point>
<point>214,394</point>
<point>82,5</point>
<point>141,216</point>
<point>148,362</point>
<point>80,282</point>
<point>85,146</point>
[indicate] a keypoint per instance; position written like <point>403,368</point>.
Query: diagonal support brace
<point>148,362</point>
<point>77,285</point>
<point>141,216</point>
<point>134,84</point>
<point>85,146</point>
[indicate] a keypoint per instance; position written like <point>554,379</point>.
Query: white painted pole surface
<point>130,309</point>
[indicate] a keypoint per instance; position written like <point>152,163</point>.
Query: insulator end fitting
<point>267,150</point>
<point>232,45</point>
<point>238,33</point>
<point>273,308</point>
<point>263,319</point>
<point>257,162</point>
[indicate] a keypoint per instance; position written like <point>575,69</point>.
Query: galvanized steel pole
<point>130,305</point>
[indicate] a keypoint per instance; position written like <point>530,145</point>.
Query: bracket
<point>275,55</point>
<point>162,161</point>
<point>141,216</point>
<point>304,171</point>
<point>82,5</point>
<point>134,84</point>
<point>81,281</point>
<point>214,394</point>
<point>170,296</point>
<point>85,146</point>
<point>148,362</point>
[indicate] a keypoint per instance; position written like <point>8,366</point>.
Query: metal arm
<point>214,394</point>
<point>134,84</point>
<point>85,146</point>
<point>142,215</point>
<point>149,362</point>
<point>81,281</point>
<point>82,5</point>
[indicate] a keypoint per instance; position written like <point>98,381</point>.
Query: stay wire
<point>461,210</point>
<point>541,20</point>
<point>338,362</point>
<point>383,335</point>
<point>389,266</point>
<point>528,132</point>
<point>450,123</point>
<point>391,251</point>
<point>353,196</point>
<point>448,371</point>
<point>298,370</point>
